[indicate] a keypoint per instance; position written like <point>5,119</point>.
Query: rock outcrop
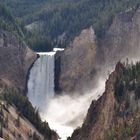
<point>15,60</point>
<point>83,57</point>
<point>78,61</point>
<point>122,39</point>
<point>100,115</point>
<point>116,114</point>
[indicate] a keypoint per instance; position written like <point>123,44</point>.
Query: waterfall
<point>41,81</point>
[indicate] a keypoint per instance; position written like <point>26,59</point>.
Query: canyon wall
<point>115,115</point>
<point>122,39</point>
<point>77,62</point>
<point>86,55</point>
<point>15,60</point>
<point>100,114</point>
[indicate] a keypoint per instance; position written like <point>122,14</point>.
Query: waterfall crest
<point>41,81</point>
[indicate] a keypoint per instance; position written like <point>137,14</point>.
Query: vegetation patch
<point>13,96</point>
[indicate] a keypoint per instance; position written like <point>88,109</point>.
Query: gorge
<point>41,84</point>
<point>90,90</point>
<point>64,113</point>
<point>51,106</point>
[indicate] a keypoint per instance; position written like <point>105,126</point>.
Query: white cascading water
<point>41,81</point>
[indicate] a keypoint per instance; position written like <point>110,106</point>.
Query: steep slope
<point>116,114</point>
<point>122,40</point>
<point>78,61</point>
<point>18,119</point>
<point>15,59</point>
<point>7,21</point>
<point>100,115</point>
<point>15,130</point>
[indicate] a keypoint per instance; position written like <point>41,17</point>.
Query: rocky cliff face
<point>78,61</point>
<point>109,118</point>
<point>15,60</point>
<point>100,115</point>
<point>122,39</point>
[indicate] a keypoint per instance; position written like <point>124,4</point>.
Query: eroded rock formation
<point>122,39</point>
<point>15,60</point>
<point>116,114</point>
<point>100,115</point>
<point>78,61</point>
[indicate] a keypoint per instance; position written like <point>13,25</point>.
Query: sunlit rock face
<point>15,60</point>
<point>101,114</point>
<point>78,61</point>
<point>41,81</point>
<point>122,39</point>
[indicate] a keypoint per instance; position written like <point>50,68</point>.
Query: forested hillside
<point>48,20</point>
<point>13,104</point>
<point>127,94</point>
<point>97,33</point>
<point>7,21</point>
